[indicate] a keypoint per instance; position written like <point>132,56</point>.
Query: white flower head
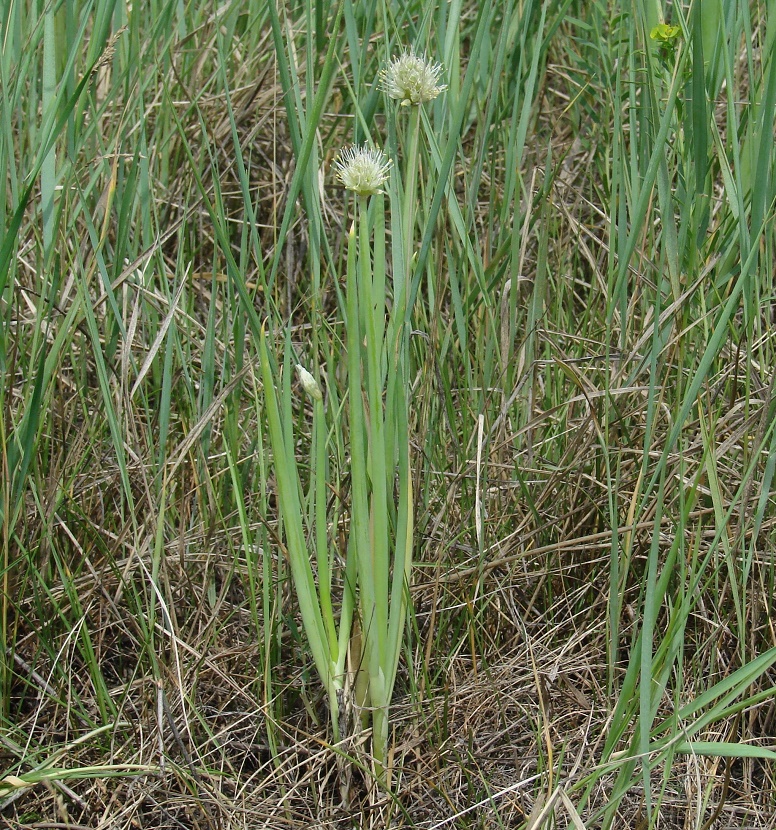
<point>309,383</point>
<point>362,169</point>
<point>412,79</point>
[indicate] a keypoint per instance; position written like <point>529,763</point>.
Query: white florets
<point>412,79</point>
<point>362,170</point>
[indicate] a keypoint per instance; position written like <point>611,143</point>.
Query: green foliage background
<point>593,440</point>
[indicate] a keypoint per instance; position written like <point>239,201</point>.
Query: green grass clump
<point>581,233</point>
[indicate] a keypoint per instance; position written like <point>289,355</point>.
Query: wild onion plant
<point>380,539</point>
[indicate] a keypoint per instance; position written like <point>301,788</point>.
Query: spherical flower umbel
<point>362,169</point>
<point>412,79</point>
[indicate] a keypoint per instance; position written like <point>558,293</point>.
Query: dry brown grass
<point>503,703</point>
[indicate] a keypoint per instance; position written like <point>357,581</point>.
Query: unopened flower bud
<point>309,384</point>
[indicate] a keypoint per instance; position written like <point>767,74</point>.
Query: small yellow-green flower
<point>664,33</point>
<point>412,79</point>
<point>362,170</point>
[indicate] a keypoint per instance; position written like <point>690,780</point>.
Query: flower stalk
<point>381,523</point>
<point>410,191</point>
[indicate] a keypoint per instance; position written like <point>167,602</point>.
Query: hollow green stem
<point>410,190</point>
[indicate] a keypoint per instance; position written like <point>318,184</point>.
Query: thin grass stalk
<point>48,172</point>
<point>304,134</point>
<point>457,117</point>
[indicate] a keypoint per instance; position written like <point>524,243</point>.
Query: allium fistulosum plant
<point>379,548</point>
<point>381,509</point>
